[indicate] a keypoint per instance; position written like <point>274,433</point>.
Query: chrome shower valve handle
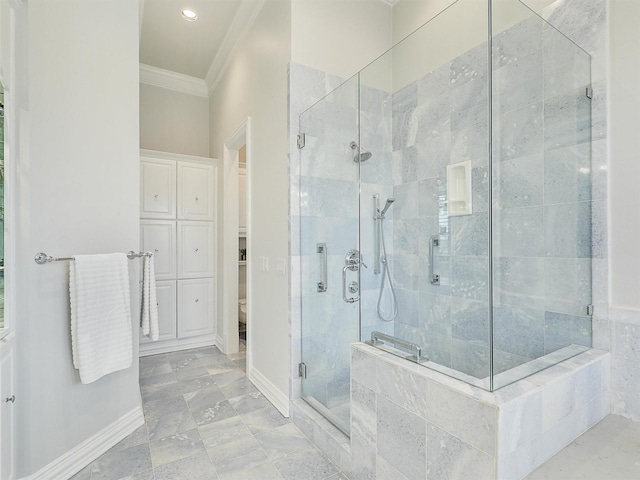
<point>352,262</point>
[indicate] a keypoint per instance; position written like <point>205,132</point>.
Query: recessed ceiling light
<point>189,15</point>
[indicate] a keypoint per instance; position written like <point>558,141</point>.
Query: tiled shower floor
<point>206,421</point>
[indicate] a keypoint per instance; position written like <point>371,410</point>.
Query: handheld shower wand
<point>379,216</point>
<point>386,206</point>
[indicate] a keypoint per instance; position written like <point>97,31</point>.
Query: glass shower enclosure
<point>445,203</point>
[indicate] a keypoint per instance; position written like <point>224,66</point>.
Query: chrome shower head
<point>387,206</point>
<point>360,155</point>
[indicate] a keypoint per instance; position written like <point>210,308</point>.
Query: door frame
<point>230,339</point>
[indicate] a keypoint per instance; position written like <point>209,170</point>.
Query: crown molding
<point>240,25</point>
<point>390,2</point>
<point>178,82</point>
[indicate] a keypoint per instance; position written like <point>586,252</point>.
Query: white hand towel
<point>101,334</point>
<point>149,313</point>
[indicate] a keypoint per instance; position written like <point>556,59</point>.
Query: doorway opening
<point>236,252</point>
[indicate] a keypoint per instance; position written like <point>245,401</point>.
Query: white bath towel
<point>149,313</point>
<point>101,334</point>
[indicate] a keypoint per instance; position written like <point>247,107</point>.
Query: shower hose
<point>386,275</point>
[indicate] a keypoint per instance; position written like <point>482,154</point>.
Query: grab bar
<point>321,248</point>
<point>434,241</point>
<point>378,337</point>
<point>42,258</point>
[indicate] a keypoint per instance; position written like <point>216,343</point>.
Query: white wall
<point>172,121</point>
<point>408,15</point>
<point>77,102</point>
<point>339,37</point>
<point>624,175</point>
<point>255,85</point>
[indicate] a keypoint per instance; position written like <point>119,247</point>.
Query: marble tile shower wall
<point>438,120</point>
<point>542,202</point>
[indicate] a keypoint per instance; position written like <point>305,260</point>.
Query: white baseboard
<point>67,465</point>
<point>220,343</point>
<point>269,390</point>
<point>154,348</point>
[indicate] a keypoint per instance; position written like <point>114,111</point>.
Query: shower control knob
<point>353,287</point>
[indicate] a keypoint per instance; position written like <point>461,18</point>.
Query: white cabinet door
<point>195,249</point>
<point>166,296</point>
<point>196,188</point>
<point>159,238</point>
<point>7,409</point>
<point>158,192</point>
<point>195,307</point>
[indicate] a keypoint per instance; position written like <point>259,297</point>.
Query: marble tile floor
<point>608,451</point>
<point>206,421</point>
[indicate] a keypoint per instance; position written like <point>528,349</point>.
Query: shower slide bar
<point>377,338</point>
<point>42,258</point>
<point>376,233</point>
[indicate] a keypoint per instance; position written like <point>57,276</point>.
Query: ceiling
<point>170,42</point>
<point>196,51</point>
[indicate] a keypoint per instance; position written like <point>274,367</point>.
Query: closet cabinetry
<point>178,224</point>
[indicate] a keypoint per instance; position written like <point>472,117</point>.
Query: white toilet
<point>242,313</point>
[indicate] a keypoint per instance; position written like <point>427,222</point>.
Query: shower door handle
<point>351,287</point>
<point>321,248</point>
<point>434,241</point>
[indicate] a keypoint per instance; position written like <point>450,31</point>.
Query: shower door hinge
<point>590,310</point>
<point>302,370</point>
<point>589,92</point>
<point>301,141</point>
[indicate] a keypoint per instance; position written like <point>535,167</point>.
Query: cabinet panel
<point>159,237</point>
<point>158,192</point>
<point>195,307</point>
<point>196,186</point>
<point>195,249</point>
<point>166,296</point>
<point>7,409</point>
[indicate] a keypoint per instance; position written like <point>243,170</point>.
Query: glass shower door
<point>329,243</point>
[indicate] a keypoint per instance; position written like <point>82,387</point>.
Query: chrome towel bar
<point>42,258</point>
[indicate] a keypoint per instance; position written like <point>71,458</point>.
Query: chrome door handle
<point>434,241</point>
<point>344,287</point>
<point>321,248</point>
